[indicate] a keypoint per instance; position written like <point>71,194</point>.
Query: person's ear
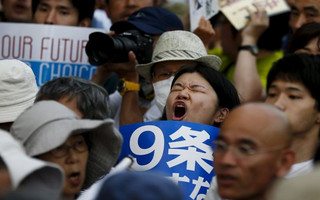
<point>286,161</point>
<point>220,115</point>
<point>86,22</point>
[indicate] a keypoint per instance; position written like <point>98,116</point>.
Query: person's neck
<point>305,145</point>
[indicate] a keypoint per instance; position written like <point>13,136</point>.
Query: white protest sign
<point>199,8</point>
<point>237,14</point>
<point>51,51</point>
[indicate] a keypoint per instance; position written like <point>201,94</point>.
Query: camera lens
<point>102,48</point>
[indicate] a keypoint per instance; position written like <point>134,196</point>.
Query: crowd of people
<point>258,86</point>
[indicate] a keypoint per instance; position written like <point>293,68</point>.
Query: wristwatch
<point>252,48</point>
<point>125,86</point>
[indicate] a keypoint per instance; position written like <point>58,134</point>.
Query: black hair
<point>302,37</point>
<point>84,7</point>
<point>302,68</point>
<point>227,94</point>
<point>272,38</point>
<point>92,99</point>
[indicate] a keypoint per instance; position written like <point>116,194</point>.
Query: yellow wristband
<point>125,86</point>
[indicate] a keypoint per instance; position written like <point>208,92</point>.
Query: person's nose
<point>72,156</point>
<point>297,22</point>
<point>184,94</point>
<point>280,102</point>
<point>226,159</point>
<point>51,17</point>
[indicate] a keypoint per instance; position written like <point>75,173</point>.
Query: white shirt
<point>300,169</point>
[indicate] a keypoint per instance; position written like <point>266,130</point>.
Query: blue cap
<point>150,20</point>
<point>139,185</point>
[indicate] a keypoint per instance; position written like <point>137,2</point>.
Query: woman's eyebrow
<point>177,84</point>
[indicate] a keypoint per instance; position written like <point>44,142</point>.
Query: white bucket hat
<point>48,124</point>
<point>179,45</point>
<point>28,173</point>
<point>18,89</point>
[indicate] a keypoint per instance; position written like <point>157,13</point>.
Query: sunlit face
<point>311,48</point>
<point>73,163</point>
<point>304,11</point>
<point>295,100</point>
<point>17,10</point>
<point>119,10</point>
<point>59,12</point>
<point>192,99</point>
<point>241,175</point>
<point>71,104</point>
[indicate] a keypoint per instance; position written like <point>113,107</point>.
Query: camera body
<point>102,48</point>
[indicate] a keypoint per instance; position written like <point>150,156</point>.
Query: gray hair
<point>92,99</point>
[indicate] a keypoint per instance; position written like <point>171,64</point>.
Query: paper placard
<point>236,10</point>
<point>50,50</point>
<point>179,150</point>
<point>198,8</point>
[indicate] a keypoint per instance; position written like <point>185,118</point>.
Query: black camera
<point>102,48</point>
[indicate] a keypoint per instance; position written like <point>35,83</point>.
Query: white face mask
<point>161,92</point>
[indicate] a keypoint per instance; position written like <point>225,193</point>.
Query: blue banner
<point>179,150</point>
<point>46,71</point>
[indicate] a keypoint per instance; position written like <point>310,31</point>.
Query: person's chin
<point>227,193</point>
<point>73,183</point>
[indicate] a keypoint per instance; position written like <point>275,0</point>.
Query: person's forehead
<point>253,125</point>
<point>236,129</point>
<point>74,137</point>
<point>306,4</point>
<point>192,78</point>
<point>58,2</point>
<point>289,85</point>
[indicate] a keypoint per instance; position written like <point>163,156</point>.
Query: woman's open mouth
<point>74,179</point>
<point>179,111</point>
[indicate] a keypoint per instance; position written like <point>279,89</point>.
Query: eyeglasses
<point>242,151</point>
<point>79,147</point>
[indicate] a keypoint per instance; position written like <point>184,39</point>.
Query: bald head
<point>252,150</point>
<point>264,121</point>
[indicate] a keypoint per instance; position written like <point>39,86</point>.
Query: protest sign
<point>237,14</point>
<point>50,50</point>
<point>198,8</point>
<point>179,150</point>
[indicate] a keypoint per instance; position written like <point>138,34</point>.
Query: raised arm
<point>205,32</point>
<point>246,77</point>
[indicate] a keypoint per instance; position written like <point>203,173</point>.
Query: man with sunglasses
<point>252,151</point>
